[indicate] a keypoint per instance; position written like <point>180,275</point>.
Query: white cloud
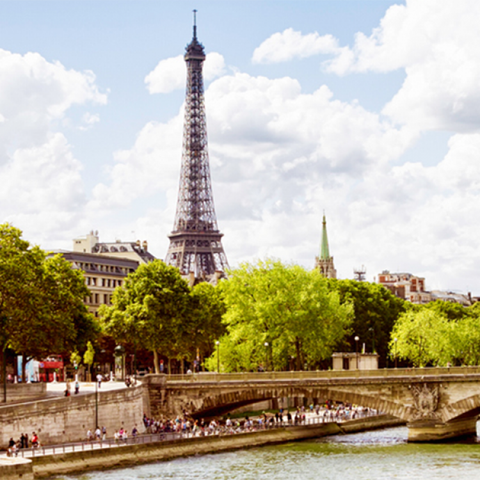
<point>290,44</point>
<point>42,190</point>
<point>271,147</point>
<point>438,46</point>
<point>170,74</point>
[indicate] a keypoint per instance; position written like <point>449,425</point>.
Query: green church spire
<point>324,252</point>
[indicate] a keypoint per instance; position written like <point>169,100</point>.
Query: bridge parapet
<point>318,374</point>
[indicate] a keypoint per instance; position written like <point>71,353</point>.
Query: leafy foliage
<point>439,333</point>
<point>157,309</point>
<point>376,310</point>
<point>41,300</point>
<point>277,315</point>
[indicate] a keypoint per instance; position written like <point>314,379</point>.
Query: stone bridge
<point>436,403</point>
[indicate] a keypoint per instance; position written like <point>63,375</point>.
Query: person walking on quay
<point>98,433</point>
<point>99,380</point>
<point>89,435</point>
<point>35,440</point>
<point>104,432</point>
<point>77,387</point>
<point>11,444</point>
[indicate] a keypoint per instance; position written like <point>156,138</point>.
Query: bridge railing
<point>318,374</point>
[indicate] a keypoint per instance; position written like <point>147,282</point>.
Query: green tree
<point>41,299</point>
<point>277,314</point>
<point>376,310</point>
<point>149,309</point>
<point>204,324</point>
<point>422,337</point>
<point>88,357</point>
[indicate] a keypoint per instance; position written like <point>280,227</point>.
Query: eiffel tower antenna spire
<point>195,24</point>
<point>195,242</point>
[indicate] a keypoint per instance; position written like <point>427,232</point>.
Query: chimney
<point>145,245</point>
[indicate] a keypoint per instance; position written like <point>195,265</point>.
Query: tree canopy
<point>156,308</point>
<point>376,310</point>
<point>439,333</point>
<point>41,300</point>
<point>278,315</point>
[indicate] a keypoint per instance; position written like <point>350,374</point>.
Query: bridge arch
<point>221,402</point>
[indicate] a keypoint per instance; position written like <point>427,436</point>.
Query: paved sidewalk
<point>58,388</point>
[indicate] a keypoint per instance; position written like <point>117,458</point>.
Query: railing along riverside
<point>327,416</point>
<point>319,374</point>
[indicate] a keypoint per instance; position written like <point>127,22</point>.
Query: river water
<point>381,454</point>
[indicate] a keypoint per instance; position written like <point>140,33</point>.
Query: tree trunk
<point>298,359</point>
<point>169,366</point>
<point>155,362</point>
<point>24,360</point>
<point>182,366</point>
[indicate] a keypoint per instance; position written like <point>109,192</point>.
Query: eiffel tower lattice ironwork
<point>196,242</point>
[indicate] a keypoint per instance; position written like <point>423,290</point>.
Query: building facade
<point>406,286</point>
<point>90,243</point>
<point>102,275</point>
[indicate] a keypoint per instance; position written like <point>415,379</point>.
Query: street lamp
<point>218,355</point>
<point>266,352</point>
<point>356,348</point>
<point>96,403</point>
<point>395,340</point>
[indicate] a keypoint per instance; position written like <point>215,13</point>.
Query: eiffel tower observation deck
<point>196,242</point>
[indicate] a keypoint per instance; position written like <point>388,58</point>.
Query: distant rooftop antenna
<point>359,273</point>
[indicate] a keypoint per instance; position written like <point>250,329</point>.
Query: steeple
<point>325,262</point>
<point>324,252</point>
<point>195,242</point>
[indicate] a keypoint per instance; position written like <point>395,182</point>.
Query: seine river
<point>382,454</point>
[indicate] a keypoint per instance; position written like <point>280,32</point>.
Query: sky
<point>365,110</point>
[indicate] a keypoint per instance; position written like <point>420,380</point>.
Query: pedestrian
<point>99,380</point>
<point>11,444</point>
<point>89,435</point>
<point>134,431</point>
<point>35,441</point>
<point>104,432</point>
<point>77,387</point>
<point>98,433</point>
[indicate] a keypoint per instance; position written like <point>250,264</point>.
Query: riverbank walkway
<point>310,419</point>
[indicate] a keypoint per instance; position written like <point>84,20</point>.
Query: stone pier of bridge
<point>436,403</point>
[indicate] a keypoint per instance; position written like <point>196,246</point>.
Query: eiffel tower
<point>195,242</point>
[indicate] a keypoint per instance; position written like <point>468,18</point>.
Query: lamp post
<point>266,354</point>
<point>96,403</point>
<point>356,348</point>
<point>395,340</point>
<point>218,355</point>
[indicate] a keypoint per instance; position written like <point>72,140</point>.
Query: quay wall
<point>16,469</point>
<point>22,392</point>
<point>131,455</point>
<point>67,419</point>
